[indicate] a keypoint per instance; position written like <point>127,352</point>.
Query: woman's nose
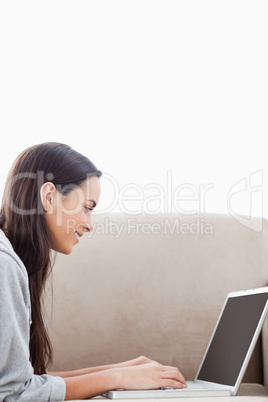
<point>89,226</point>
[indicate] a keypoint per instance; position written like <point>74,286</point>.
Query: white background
<point>151,91</point>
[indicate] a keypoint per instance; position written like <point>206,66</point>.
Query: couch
<point>154,285</point>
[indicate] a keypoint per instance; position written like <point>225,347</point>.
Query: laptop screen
<point>232,338</point>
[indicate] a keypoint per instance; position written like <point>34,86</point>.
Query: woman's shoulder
<point>10,263</point>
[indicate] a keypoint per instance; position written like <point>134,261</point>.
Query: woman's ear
<point>47,191</point>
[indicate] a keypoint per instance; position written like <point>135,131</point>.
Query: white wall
<point>168,95</point>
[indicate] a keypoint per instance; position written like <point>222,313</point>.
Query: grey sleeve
<point>17,381</point>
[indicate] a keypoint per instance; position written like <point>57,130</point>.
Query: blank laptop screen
<point>232,338</point>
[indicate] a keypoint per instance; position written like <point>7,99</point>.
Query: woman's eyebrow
<point>94,203</point>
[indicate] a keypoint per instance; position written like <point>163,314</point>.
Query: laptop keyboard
<point>194,385</point>
<point>191,385</point>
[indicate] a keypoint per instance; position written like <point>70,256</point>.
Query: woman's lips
<point>78,235</point>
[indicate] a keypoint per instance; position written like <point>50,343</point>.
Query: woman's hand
<point>149,375</point>
<point>140,373</point>
<point>135,362</point>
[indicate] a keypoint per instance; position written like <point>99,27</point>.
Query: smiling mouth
<point>78,235</point>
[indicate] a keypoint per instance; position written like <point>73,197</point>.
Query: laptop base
<point>165,393</point>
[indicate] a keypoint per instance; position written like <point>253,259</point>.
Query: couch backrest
<point>154,286</point>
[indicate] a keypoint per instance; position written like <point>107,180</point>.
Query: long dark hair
<point>22,220</point>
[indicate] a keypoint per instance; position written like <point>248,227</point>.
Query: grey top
<point>17,380</point>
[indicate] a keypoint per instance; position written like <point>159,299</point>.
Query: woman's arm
<point>142,376</point>
<point>17,381</point>
<point>90,370</point>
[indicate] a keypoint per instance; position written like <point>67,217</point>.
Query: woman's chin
<point>63,250</point>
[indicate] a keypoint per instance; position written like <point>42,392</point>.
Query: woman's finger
<point>168,383</point>
<point>173,373</point>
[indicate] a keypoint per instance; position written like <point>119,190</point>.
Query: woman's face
<point>68,217</point>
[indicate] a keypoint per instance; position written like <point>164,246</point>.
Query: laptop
<point>228,352</point>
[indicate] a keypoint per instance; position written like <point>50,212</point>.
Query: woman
<point>49,196</point>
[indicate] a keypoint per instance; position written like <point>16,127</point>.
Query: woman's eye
<point>88,209</point>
